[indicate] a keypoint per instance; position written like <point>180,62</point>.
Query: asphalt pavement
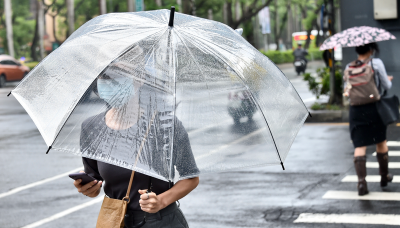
<point>317,188</point>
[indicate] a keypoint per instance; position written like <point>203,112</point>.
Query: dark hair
<point>361,50</point>
<point>299,44</point>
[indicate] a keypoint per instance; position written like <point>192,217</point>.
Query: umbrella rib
<point>174,110</point>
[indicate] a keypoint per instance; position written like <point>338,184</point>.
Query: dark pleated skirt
<point>366,126</point>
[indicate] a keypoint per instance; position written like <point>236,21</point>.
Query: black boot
<point>383,160</point>
<point>361,170</point>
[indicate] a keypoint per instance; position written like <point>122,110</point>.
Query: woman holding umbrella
<point>149,196</point>
<point>366,126</point>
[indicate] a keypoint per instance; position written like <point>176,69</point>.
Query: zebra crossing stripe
<point>392,165</point>
<point>394,153</point>
<point>381,219</point>
<point>353,195</point>
<point>369,178</point>
<point>393,143</point>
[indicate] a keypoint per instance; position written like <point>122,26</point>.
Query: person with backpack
<point>365,79</point>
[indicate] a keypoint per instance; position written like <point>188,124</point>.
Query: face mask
<point>116,92</point>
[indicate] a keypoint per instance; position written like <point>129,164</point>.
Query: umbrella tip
<point>48,150</point>
<point>9,94</point>
<point>309,113</point>
<point>171,17</point>
<point>283,167</point>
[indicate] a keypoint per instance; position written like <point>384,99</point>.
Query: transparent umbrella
<point>195,93</point>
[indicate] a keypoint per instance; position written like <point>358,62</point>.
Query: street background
<point>318,187</point>
<point>319,159</point>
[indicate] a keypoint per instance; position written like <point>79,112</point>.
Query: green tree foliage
<point>22,27</point>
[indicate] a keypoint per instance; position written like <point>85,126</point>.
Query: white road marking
<point>369,178</point>
<point>394,153</point>
<point>34,184</point>
<point>393,143</point>
<point>232,143</point>
<point>382,219</point>
<point>353,195</point>
<point>392,165</point>
<point>64,213</point>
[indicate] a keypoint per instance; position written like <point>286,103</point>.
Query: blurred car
<point>11,70</point>
<point>240,105</point>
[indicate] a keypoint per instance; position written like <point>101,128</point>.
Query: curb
<point>322,116</point>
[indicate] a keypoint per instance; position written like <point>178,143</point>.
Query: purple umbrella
<point>356,36</point>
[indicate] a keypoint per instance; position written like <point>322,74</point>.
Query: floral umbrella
<point>356,36</point>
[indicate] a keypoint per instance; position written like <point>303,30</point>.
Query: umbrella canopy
<point>126,81</point>
<point>356,36</point>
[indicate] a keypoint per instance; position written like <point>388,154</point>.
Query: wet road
<point>319,160</point>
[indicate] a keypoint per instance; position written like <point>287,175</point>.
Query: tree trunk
<point>35,39</point>
<point>333,98</point>
<point>210,14</point>
<point>186,7</point>
<point>40,13</point>
<point>237,10</point>
<point>70,16</point>
<point>289,26</point>
<point>307,44</point>
<point>225,13</point>
<point>276,25</point>
<point>193,7</point>
<point>102,7</point>
<point>54,29</point>
<point>10,40</point>
<point>131,5</point>
<point>229,14</point>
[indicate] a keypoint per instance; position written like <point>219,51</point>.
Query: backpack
<point>360,83</point>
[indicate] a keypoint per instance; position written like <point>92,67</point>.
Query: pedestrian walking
<point>150,198</point>
<point>365,79</point>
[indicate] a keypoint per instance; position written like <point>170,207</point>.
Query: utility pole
<point>40,12</point>
<point>10,40</point>
<point>70,16</point>
<point>158,3</point>
<point>131,6</point>
<point>331,21</point>
<point>103,7</point>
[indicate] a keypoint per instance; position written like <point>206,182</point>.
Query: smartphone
<point>84,176</point>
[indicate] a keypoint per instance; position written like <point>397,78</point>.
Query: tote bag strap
<point>126,198</point>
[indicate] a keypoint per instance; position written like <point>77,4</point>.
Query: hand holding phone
<point>86,184</point>
<point>83,176</point>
